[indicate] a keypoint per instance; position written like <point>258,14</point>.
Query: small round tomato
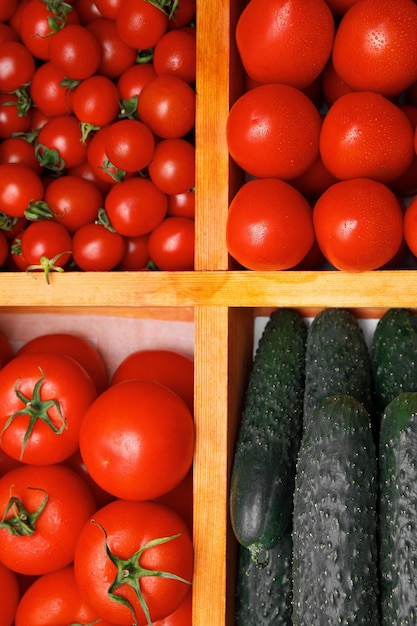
<point>44,397</point>
<point>269,225</point>
<point>137,428</point>
<point>95,100</point>
<point>54,599</point>
<point>358,224</point>
<point>152,544</point>
<point>19,186</point>
<point>182,204</point>
<point>15,117</point>
<point>299,33</point>
<point>74,346</point>
<point>172,167</point>
<point>136,256</point>
<point>9,595</point>
<point>172,244</point>
<point>49,90</point>
<point>140,23</point>
<point>96,248</point>
<point>183,14</point>
<point>130,145</point>
<point>98,158</point>
<point>17,65</point>
<point>46,246</point>
<point>39,21</point>
<point>135,206</point>
<point>374,46</point>
<point>410,226</point>
<point>273,131</point>
<point>132,81</point>
<point>109,8</point>
<point>59,143</point>
<point>74,201</point>
<point>116,55</point>
<point>167,105</point>
<point>43,510</point>
<point>18,150</point>
<point>76,51</point>
<point>365,135</point>
<point>175,53</point>
<point>167,367</point>
<point>7,9</point>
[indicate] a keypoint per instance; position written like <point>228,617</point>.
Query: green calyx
<point>36,409</point>
<point>167,6</point>
<point>58,17</point>
<point>22,523</point>
<point>129,572</point>
<point>48,265</point>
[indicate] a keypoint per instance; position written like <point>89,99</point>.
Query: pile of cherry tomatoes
<point>97,151</point>
<point>95,485</point>
<point>326,134</point>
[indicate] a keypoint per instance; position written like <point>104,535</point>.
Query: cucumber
<point>263,594</point>
<point>263,470</point>
<point>394,356</point>
<point>337,360</point>
<point>398,511</point>
<point>335,519</point>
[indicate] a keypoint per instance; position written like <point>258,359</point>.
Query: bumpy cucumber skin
<point>335,519</point>
<point>263,472</point>
<point>394,355</point>
<point>264,594</point>
<point>337,360</point>
<point>398,511</point>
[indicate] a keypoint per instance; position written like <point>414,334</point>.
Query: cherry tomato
<point>167,367</point>
<point>98,158</point>
<point>358,224</point>
<point>96,248</point>
<point>175,53</point>
<point>365,135</point>
<point>7,9</point>
<point>116,55</point>
<point>7,33</point>
<point>19,186</point>
<point>76,51</point>
<point>299,33</point>
<point>136,256</point>
<point>269,225</point>
<point>17,65</point>
<point>86,171</point>
<point>95,100</point>
<point>182,204</point>
<point>18,150</point>
<point>140,23</point>
<point>127,528</point>
<point>184,14</point>
<point>9,595</point>
<point>43,510</point>
<point>74,346</point>
<point>172,167</point>
<point>130,145</point>
<point>273,131</point>
<point>14,116</point>
<point>167,105</point>
<point>43,401</point>
<point>109,8</point>
<point>46,246</point>
<point>132,81</point>
<point>135,206</point>
<point>74,201</point>
<point>172,243</point>
<point>54,599</point>
<point>410,226</point>
<point>374,47</point>
<point>137,428</point>
<point>87,11</point>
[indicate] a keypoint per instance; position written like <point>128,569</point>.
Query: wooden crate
<point>221,302</point>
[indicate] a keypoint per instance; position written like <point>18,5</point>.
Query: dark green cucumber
<point>398,511</point>
<point>337,360</point>
<point>335,519</point>
<point>263,594</point>
<point>394,355</point>
<point>263,471</point>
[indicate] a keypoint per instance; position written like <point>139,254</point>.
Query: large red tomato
<point>374,47</point>
<point>43,399</point>
<point>9,595</point>
<point>269,225</point>
<point>285,41</point>
<point>273,131</point>
<point>42,509</point>
<point>137,439</point>
<point>358,224</point>
<point>120,556</point>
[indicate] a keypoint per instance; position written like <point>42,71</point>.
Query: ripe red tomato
<point>273,131</point>
<point>7,9</point>
<point>132,81</point>
<point>74,201</point>
<point>181,499</point>
<point>172,244</point>
<point>15,117</point>
<point>43,509</point>
<point>44,398</point>
<point>59,143</point>
<point>299,33</point>
<point>137,428</point>
<point>183,14</point>
<point>167,367</point>
<point>130,145</point>
<point>74,346</point>
<point>98,159</point>
<point>127,528</point>
<point>374,47</point>
<point>135,206</point>
<point>95,100</point>
<point>167,105</point>
<point>332,85</point>
<point>136,256</point>
<point>175,53</point>
<point>269,225</point>
<point>181,616</point>
<point>19,186</point>
<point>18,150</point>
<point>140,23</point>
<point>358,224</point>
<point>76,51</point>
<point>96,248</point>
<point>46,246</point>
<point>172,167</point>
<point>54,599</point>
<point>109,8</point>
<point>182,204</point>
<point>410,226</point>
<point>17,65</point>
<point>116,55</point>
<point>9,595</point>
<point>365,135</point>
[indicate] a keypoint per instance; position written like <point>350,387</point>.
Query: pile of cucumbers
<point>323,493</point>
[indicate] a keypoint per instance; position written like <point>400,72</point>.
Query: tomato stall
<point>212,312</point>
